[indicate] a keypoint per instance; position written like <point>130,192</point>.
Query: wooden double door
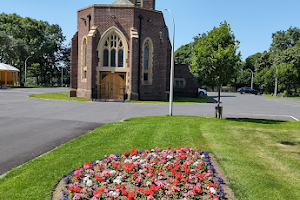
<point>112,85</point>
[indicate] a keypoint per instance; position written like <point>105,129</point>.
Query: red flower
<point>78,189</point>
<point>216,198</point>
<point>186,179</point>
<point>126,153</point>
<point>130,196</point>
<point>122,187</point>
<point>124,193</point>
<point>134,174</point>
<point>99,178</point>
<point>100,166</point>
<point>99,191</point>
<point>115,165</point>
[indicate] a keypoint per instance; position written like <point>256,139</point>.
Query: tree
<point>215,56</point>
<point>283,40</point>
<point>28,36</point>
<point>183,55</point>
<point>287,75</point>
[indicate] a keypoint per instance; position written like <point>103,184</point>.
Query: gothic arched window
<point>147,62</point>
<point>84,60</point>
<point>113,51</point>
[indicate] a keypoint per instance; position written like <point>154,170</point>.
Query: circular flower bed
<point>181,173</point>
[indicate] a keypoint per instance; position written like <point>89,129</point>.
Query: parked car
<point>202,92</point>
<point>244,90</point>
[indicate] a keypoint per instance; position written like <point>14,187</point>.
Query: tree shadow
<point>287,143</point>
<point>258,121</point>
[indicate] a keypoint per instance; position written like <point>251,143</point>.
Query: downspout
<point>139,62</point>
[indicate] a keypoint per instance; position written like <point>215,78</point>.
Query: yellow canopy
<point>8,75</point>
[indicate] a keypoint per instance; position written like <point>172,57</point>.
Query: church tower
<point>149,4</point>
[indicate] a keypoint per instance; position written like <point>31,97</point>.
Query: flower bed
<point>180,173</point>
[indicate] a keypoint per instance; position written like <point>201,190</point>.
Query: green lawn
<point>179,100</point>
<point>261,158</point>
<point>280,96</point>
<point>58,96</point>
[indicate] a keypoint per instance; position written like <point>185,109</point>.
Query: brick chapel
<point>122,51</point>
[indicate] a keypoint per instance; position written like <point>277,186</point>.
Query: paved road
<point>30,127</point>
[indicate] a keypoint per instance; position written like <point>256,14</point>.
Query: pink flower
<point>150,197</point>
<point>168,192</point>
<point>216,198</point>
<point>138,180</point>
<point>148,183</point>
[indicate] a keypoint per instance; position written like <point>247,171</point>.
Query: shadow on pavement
<point>222,96</point>
<point>259,121</point>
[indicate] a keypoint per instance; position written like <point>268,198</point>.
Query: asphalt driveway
<point>30,127</point>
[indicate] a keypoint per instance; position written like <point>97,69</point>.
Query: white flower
<point>127,161</point>
<point>213,190</point>
<point>89,183</point>
<point>85,179</point>
<point>117,181</point>
<point>152,150</point>
<point>196,164</point>
<point>135,157</point>
<point>142,160</point>
<point>112,172</point>
<point>169,156</point>
<point>202,156</point>
<point>115,194</point>
<point>98,161</point>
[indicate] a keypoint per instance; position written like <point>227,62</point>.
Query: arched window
<point>113,51</point>
<point>84,60</point>
<point>147,62</point>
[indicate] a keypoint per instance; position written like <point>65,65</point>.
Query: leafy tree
<point>183,54</point>
<point>29,35</point>
<point>252,61</point>
<point>287,75</point>
<point>283,40</point>
<point>215,56</point>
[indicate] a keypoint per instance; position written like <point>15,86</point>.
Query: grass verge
<point>280,96</point>
<point>179,100</point>
<point>58,96</point>
<point>259,157</point>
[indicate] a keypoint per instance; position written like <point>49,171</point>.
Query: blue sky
<point>252,21</point>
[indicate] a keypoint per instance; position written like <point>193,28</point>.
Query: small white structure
<point>8,75</point>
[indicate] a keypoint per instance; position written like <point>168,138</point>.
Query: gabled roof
<point>122,2</point>
<point>6,67</point>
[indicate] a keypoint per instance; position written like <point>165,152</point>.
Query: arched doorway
<point>112,67</point>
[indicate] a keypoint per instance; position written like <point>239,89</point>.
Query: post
<point>251,78</point>
<point>172,68</point>
<point>275,89</point>
<point>26,69</point>
<point>62,76</point>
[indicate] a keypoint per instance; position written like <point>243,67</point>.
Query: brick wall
<point>191,83</point>
<point>74,66</point>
